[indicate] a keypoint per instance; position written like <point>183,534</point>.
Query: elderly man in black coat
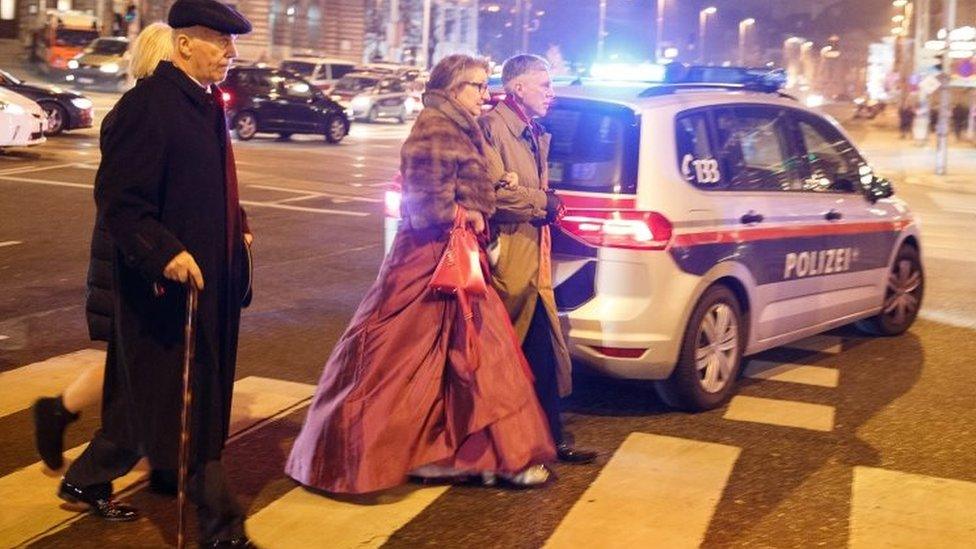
<point>166,191</point>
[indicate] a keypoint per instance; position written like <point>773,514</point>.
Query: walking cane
<point>189,337</point>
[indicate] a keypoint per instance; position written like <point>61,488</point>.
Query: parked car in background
<point>60,36</point>
<point>64,109</point>
<point>322,72</point>
<point>266,100</point>
<point>103,63</point>
<point>22,122</point>
<point>375,95</point>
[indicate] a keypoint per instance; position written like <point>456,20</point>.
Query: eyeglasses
<point>482,86</point>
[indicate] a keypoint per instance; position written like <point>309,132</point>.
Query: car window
<point>301,68</point>
<point>296,89</point>
<point>696,159</point>
<point>754,151</point>
<point>257,81</point>
<point>355,84</point>
<point>104,46</point>
<point>338,71</point>
<point>593,147</point>
<point>391,86</point>
<point>833,161</point>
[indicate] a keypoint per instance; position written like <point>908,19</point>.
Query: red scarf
<point>516,106</point>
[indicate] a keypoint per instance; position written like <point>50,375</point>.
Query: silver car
<point>372,96</point>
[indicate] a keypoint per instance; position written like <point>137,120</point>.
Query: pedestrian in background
<point>400,393</point>
<point>167,138</point>
<point>906,117</point>
<point>526,207</point>
<point>53,414</point>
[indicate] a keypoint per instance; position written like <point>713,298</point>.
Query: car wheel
<point>335,129</point>
<point>284,136</point>
<point>374,114</point>
<point>56,118</point>
<point>245,125</point>
<point>711,351</point>
<point>903,296</point>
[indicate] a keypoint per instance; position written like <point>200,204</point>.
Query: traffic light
<point>130,13</point>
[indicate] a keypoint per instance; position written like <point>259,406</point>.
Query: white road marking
<point>895,509</point>
<point>302,519</point>
<point>21,386</point>
<point>7,243</point>
<point>32,510</point>
<point>303,209</point>
<point>793,373</point>
<point>50,182</point>
<point>655,491</point>
<point>315,194</point>
<point>785,413</point>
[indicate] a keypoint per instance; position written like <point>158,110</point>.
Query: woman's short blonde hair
<point>447,74</point>
<point>154,44</point>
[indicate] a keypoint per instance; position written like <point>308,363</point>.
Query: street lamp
<point>744,26</point>
<point>661,5</point>
<point>601,30</point>
<point>702,27</point>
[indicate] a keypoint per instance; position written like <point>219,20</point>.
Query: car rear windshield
<point>70,37</point>
<point>298,67</point>
<point>107,47</point>
<point>355,83</point>
<point>594,147</point>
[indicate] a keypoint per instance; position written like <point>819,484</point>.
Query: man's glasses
<point>482,86</point>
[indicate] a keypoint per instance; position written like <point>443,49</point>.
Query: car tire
<point>284,136</point>
<point>245,125</point>
<point>708,364</point>
<point>374,115</point>
<point>335,129</point>
<point>57,118</point>
<point>903,296</point>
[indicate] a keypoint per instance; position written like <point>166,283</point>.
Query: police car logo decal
<point>703,171</point>
<point>819,262</point>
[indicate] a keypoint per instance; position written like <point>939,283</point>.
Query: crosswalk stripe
<point>793,373</point>
<point>831,345</point>
<point>302,519</point>
<point>655,489</point>
<point>32,509</point>
<point>895,509</point>
<point>21,386</point>
<point>785,413</point>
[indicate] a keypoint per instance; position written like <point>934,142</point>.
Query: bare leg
<point>85,390</point>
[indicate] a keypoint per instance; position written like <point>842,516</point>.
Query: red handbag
<point>459,270</point>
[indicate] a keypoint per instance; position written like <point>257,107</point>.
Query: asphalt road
<point>883,442</point>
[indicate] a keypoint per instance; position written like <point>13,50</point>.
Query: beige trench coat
<point>523,273</point>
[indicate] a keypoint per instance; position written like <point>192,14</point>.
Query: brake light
<point>226,97</point>
<point>630,229</point>
<point>393,196</point>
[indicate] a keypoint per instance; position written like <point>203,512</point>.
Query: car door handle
<point>751,217</point>
<point>833,215</point>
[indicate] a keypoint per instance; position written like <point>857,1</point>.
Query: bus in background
<point>60,36</point>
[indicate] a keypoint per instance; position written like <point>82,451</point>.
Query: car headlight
<point>110,68</point>
<point>360,102</point>
<point>73,64</point>
<point>82,102</point>
<point>11,108</point>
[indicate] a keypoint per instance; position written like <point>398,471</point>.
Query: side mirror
<point>877,189</point>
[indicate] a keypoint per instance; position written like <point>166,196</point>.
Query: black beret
<point>208,13</point>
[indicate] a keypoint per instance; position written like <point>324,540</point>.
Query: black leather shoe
<point>50,419</point>
<point>569,454</point>
<point>99,498</point>
<point>163,482</point>
<point>236,542</point>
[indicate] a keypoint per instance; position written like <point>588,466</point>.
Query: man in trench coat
<point>166,191</point>
<point>525,208</point>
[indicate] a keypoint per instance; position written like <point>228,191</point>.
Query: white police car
<point>707,222</point>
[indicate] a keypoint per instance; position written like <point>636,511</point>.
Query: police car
<point>711,221</point>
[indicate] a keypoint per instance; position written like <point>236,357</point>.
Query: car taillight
<point>630,229</point>
<point>226,97</point>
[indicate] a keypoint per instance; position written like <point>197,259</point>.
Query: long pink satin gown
<point>399,392</point>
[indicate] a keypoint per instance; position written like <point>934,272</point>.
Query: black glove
<point>555,209</point>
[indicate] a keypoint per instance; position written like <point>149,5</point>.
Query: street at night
<point>851,439</point>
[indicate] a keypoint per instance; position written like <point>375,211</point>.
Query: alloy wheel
<point>717,347</point>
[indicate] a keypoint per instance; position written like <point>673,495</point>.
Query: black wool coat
<point>161,189</point>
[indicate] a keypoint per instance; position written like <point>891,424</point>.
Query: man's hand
<point>248,238</point>
<point>183,268</point>
<point>510,179</point>
<point>555,209</point>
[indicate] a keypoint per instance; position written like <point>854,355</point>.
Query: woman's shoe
<point>534,476</point>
